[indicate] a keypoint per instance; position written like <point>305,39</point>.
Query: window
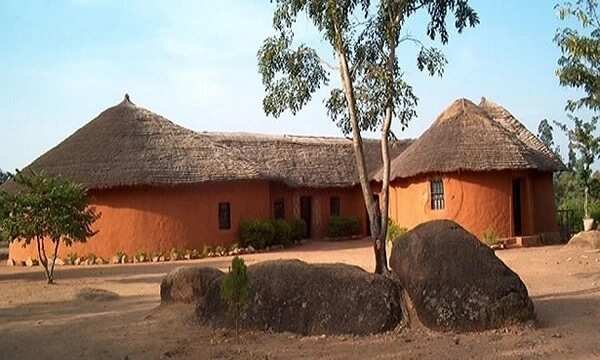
<point>279,209</point>
<point>334,206</point>
<point>224,216</point>
<point>437,194</point>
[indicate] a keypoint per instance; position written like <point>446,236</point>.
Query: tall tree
<point>579,68</point>
<point>4,176</point>
<point>46,209</point>
<point>364,37</point>
<point>545,134</point>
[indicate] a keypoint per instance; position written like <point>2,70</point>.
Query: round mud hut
<point>160,186</point>
<point>479,166</point>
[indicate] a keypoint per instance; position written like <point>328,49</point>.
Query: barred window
<point>437,194</point>
<point>224,216</point>
<point>334,206</point>
<point>279,209</point>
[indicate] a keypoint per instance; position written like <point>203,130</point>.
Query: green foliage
<point>367,34</point>
<point>235,289</point>
<point>4,176</point>
<point>340,226</point>
<point>394,231</point>
<point>46,207</point>
<point>256,233</point>
<point>297,229</point>
<point>283,232</point>
<point>490,237</point>
<point>578,66</point>
<point>262,233</point>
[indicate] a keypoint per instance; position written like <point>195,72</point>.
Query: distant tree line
<point>4,176</point>
<point>578,188</point>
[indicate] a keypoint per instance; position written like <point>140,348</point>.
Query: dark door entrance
<point>516,207</point>
<point>306,214</point>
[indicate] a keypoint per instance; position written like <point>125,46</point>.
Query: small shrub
<point>490,237</point>
<point>297,229</point>
<point>71,257</point>
<point>91,258</point>
<point>283,232</point>
<point>205,251</point>
<point>141,256</point>
<point>256,233</point>
<point>340,226</point>
<point>235,290</point>
<point>175,254</point>
<point>394,231</point>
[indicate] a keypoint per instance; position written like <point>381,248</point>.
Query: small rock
<point>456,340</point>
<point>10,262</point>
<point>99,261</point>
<point>557,335</point>
<point>58,261</point>
<point>161,258</point>
<point>31,262</point>
<point>251,250</point>
<point>155,258</point>
<point>77,261</point>
<point>115,260</point>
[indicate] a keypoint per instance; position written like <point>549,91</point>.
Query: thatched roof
<point>127,145</point>
<point>468,137</point>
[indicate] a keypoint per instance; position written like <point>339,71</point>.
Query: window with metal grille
<point>279,209</point>
<point>334,206</point>
<point>437,194</point>
<point>224,216</point>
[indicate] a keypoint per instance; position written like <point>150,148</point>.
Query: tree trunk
<point>56,243</point>
<point>357,142</point>
<point>43,258</point>
<point>385,186</point>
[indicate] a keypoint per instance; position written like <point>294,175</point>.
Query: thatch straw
<point>127,145</point>
<point>467,137</point>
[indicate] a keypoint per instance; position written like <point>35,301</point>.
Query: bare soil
<point>114,312</point>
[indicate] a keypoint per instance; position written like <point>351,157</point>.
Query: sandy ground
<point>56,322</point>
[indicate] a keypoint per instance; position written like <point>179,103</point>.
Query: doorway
<point>516,207</point>
<point>306,214</point>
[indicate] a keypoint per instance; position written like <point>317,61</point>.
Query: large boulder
<point>455,282</point>
<point>585,240</point>
<point>188,284</point>
<point>290,295</point>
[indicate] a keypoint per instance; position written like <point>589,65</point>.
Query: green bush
<point>283,232</point>
<point>297,229</point>
<point>256,233</point>
<point>490,237</point>
<point>235,289</point>
<point>394,231</point>
<point>340,226</point>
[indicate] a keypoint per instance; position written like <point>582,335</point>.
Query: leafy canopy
<point>579,64</point>
<point>367,33</point>
<point>46,207</point>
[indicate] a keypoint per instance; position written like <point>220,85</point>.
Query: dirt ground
<point>68,320</point>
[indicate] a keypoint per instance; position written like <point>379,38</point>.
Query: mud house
<point>479,166</point>
<point>159,185</point>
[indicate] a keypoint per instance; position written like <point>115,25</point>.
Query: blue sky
<point>63,62</point>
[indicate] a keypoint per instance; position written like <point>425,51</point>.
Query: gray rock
<point>290,295</point>
<point>188,284</point>
<point>455,282</point>
<point>585,240</point>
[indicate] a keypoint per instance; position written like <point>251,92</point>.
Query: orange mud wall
<point>351,205</point>
<point>156,219</point>
<point>478,201</point>
<point>152,219</point>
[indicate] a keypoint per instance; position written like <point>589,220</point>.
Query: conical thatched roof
<point>467,137</point>
<point>127,145</point>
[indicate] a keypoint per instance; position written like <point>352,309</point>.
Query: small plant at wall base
<point>46,209</point>
<point>394,231</point>
<point>490,237</point>
<point>340,226</point>
<point>235,290</point>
